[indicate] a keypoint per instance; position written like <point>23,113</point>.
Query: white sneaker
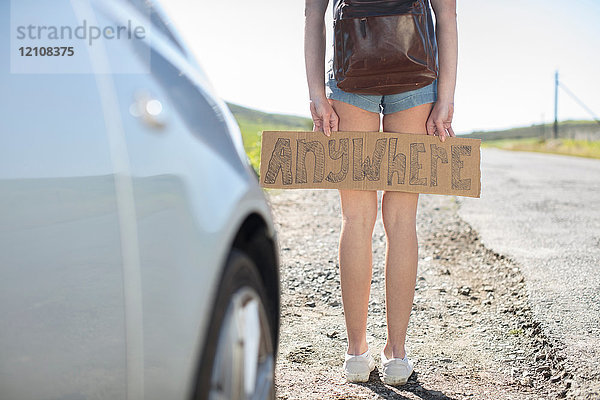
<point>396,371</point>
<point>358,368</point>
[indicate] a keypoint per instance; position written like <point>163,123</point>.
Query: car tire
<point>238,360</point>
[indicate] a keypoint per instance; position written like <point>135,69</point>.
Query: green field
<point>570,147</point>
<point>530,138</point>
<point>566,128</point>
<point>253,122</point>
<point>537,138</point>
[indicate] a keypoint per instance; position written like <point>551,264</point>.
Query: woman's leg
<point>359,211</point>
<point>398,211</point>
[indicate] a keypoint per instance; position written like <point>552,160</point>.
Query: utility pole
<point>556,105</point>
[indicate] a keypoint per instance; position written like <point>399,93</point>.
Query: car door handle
<point>149,110</point>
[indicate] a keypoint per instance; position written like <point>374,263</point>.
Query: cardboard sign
<point>370,161</point>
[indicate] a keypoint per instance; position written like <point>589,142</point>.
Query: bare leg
<point>399,211</point>
<point>359,211</point>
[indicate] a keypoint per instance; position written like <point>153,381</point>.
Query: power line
<point>558,83</point>
<point>555,130</point>
<point>586,108</point>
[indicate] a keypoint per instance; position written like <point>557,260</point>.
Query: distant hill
<point>258,117</point>
<point>580,130</point>
<point>253,122</point>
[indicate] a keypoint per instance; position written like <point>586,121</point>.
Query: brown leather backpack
<point>384,46</point>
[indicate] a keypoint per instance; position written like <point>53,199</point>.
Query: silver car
<point>137,253</point>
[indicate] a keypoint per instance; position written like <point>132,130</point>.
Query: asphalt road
<point>544,212</point>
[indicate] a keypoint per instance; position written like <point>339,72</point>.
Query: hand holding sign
<point>439,122</point>
<point>324,117</point>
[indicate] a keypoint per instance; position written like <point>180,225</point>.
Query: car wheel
<point>238,360</point>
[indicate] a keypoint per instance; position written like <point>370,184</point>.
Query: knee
<point>362,219</point>
<point>399,217</point>
<point>398,220</point>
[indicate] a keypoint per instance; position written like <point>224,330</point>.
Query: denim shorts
<point>383,104</point>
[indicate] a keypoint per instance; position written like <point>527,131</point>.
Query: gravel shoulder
<point>472,334</point>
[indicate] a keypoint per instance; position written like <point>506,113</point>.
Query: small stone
<point>568,383</point>
<point>464,290</point>
<point>311,304</point>
<point>555,378</point>
<point>333,334</point>
<point>526,381</point>
<point>513,372</point>
<point>546,374</point>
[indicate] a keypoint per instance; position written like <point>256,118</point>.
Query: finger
<point>430,127</point>
<point>335,120</point>
<point>317,126</point>
<point>441,130</point>
<point>313,110</point>
<point>451,131</point>
<point>326,127</point>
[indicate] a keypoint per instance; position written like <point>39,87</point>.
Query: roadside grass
<point>569,147</point>
<point>252,132</point>
<point>253,122</point>
<point>515,332</point>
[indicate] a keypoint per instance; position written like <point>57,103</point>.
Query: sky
<point>252,52</point>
